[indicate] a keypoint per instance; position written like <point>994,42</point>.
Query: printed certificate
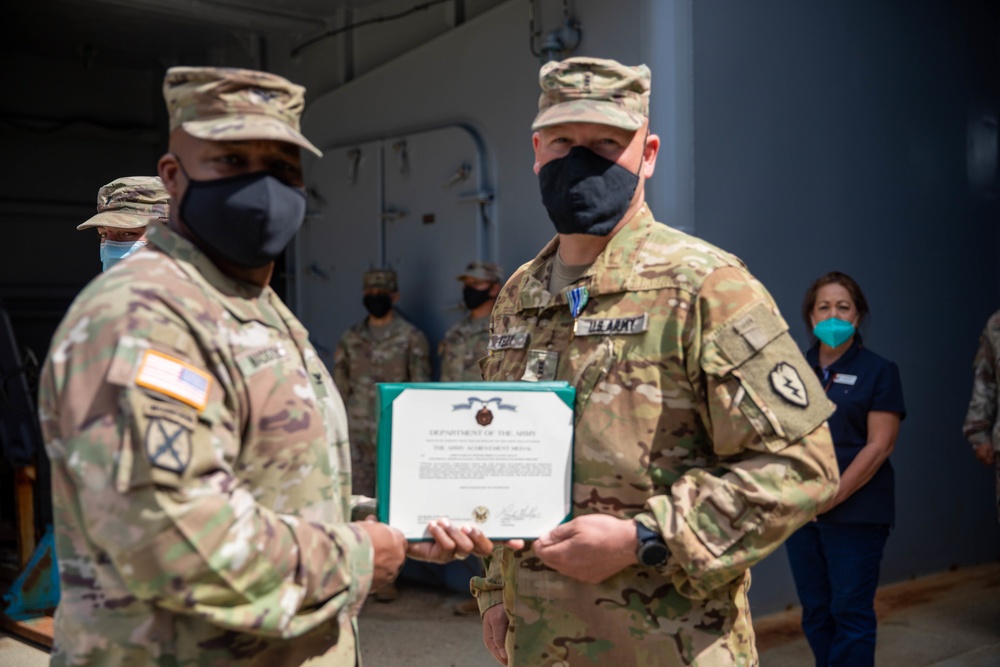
<point>497,455</point>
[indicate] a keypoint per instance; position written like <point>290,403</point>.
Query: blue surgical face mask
<point>834,331</point>
<point>113,252</point>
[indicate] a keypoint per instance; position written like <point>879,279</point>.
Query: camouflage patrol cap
<point>130,202</point>
<point>482,271</point>
<point>380,279</point>
<point>593,90</point>
<point>230,104</point>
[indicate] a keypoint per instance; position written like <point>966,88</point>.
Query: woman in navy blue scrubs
<point>835,559</point>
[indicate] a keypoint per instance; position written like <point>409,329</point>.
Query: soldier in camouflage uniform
<point>700,440</point>
<point>125,206</point>
<point>383,347</point>
<point>982,428</point>
<point>464,344</point>
<point>200,467</point>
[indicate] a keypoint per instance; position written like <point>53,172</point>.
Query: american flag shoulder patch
<point>175,378</point>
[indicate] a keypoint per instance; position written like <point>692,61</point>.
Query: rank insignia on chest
<point>542,366</point>
<point>318,385</point>
<point>578,298</point>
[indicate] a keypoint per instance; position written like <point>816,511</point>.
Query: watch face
<point>653,554</point>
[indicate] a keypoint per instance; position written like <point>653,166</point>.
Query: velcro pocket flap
<point>746,336</point>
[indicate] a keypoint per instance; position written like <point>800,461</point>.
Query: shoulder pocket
<point>778,393</point>
<point>747,336</point>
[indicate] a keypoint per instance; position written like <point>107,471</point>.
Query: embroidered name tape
<point>175,378</point>
<point>844,378</point>
<point>586,326</point>
<point>257,360</point>
<point>515,341</point>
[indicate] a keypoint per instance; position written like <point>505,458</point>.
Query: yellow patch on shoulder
<point>175,378</point>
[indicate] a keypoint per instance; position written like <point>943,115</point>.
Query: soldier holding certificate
<point>201,479</point>
<point>700,441</point>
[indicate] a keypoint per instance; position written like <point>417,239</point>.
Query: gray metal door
<point>415,203</point>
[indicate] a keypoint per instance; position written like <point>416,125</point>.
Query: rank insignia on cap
<point>168,445</point>
<point>787,383</point>
<point>175,378</point>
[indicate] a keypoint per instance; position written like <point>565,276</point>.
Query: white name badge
<point>844,378</point>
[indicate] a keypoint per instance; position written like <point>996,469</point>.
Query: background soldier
<point>200,471</point>
<point>465,342</point>
<point>700,440</point>
<point>125,206</point>
<point>981,427</point>
<point>383,347</point>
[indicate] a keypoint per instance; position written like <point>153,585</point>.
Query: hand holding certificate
<point>496,456</point>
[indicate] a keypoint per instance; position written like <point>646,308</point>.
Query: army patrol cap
<point>129,203</point>
<point>593,90</point>
<point>482,271</point>
<point>230,104</point>
<point>380,279</point>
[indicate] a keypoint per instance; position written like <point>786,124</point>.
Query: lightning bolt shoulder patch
<point>788,384</point>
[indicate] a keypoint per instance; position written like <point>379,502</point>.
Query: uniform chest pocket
<point>280,388</point>
<point>590,372</point>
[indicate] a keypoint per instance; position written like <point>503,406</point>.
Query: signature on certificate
<point>512,513</point>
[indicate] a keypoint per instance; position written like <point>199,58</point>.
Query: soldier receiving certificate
<point>496,455</point>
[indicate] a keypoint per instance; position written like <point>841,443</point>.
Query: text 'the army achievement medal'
<point>484,417</point>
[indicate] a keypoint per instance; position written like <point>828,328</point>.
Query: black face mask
<point>247,219</point>
<point>585,193</point>
<point>378,304</point>
<point>474,298</point>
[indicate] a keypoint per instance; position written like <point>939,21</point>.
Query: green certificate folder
<point>496,455</point>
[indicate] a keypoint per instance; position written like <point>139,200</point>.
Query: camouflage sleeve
<point>772,465</point>
<point>982,413</point>
<point>420,358</point>
<point>341,368</point>
<point>153,488</point>
<point>488,589</point>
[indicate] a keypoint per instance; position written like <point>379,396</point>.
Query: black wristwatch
<point>652,550</point>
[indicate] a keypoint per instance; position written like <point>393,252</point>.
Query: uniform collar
<point>612,272</point>
<point>392,327</point>
<point>244,300</point>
